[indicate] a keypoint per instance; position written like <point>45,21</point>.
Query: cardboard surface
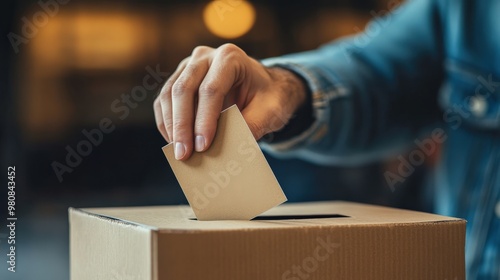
<point>232,179</point>
<point>294,241</point>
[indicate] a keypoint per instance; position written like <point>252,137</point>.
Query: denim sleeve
<point>371,93</point>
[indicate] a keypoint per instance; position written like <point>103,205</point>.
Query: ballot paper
<point>232,179</point>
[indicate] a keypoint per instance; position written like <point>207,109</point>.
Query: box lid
<point>332,213</point>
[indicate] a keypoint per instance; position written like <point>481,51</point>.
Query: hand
<point>210,80</point>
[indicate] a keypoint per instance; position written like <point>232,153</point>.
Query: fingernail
<point>180,150</point>
<point>199,143</point>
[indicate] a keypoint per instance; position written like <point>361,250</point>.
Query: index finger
<point>219,80</point>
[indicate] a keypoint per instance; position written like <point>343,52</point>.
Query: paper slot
<point>294,217</point>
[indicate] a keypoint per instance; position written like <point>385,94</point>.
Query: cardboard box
<point>326,240</point>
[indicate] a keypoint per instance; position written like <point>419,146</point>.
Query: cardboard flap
<point>335,213</point>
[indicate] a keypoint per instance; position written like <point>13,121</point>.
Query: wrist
<point>297,99</point>
<point>292,86</point>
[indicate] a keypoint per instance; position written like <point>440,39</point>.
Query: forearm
<point>366,99</point>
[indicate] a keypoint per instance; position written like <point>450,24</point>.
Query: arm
<point>371,93</point>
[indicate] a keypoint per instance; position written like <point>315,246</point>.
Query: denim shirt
<point>429,66</point>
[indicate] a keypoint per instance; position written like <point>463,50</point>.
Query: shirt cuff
<point>319,96</point>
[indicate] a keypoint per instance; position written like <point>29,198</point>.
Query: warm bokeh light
<point>229,19</point>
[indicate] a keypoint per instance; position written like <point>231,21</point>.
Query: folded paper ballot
<point>232,179</point>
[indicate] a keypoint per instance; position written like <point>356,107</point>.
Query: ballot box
<point>317,240</point>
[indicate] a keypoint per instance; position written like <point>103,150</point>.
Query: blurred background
<point>68,66</point>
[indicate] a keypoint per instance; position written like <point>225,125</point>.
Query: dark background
<point>87,55</point>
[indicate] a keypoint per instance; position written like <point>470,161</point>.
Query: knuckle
<point>179,126</point>
<point>229,47</point>
<point>179,88</point>
<point>167,86</point>
<point>208,89</point>
<point>230,50</point>
<point>191,69</point>
<point>200,50</point>
<point>168,126</point>
<point>163,99</point>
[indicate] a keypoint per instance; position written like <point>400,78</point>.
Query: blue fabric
<point>429,65</point>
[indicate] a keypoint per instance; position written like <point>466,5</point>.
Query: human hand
<point>210,80</point>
